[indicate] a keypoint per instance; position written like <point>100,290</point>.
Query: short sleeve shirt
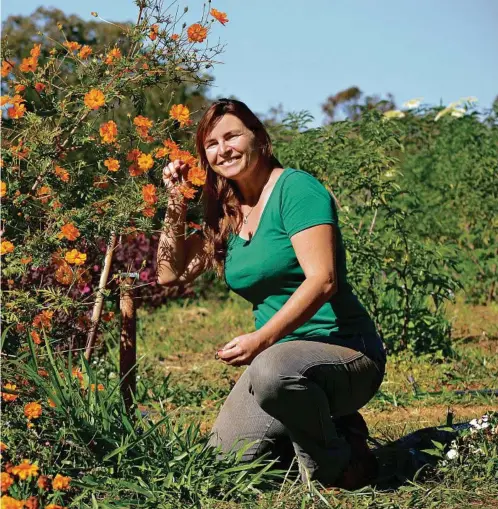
<point>265,270</point>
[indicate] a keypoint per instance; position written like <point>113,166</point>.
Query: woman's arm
<point>315,251</point>
<point>179,259</point>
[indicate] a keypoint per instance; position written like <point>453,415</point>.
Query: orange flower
<point>69,231</point>
<point>107,317</point>
<point>32,410</point>
<point>35,337</point>
<point>43,319</point>
<point>25,469</point>
<point>43,482</point>
<point>6,247</point>
<point>114,54</point>
<point>19,88</point>
<point>196,33</point>
<point>60,482</point>
<point>3,189</point>
<point>9,397</point>
<point>180,113</point>
<point>161,152</point>
<point>16,111</point>
<point>143,124</point>
<point>195,226</point>
<point>64,274</point>
<point>72,45</point>
<point>149,211</point>
<point>133,155</point>
<point>197,176</point>
<point>187,191</point>
<point>54,506</point>
<point>56,204</point>
<point>35,51</point>
<point>94,99</point>
<point>28,64</point>
<point>145,162</point>
<point>185,156</point>
<point>111,164</point>
<point>85,52</point>
<point>149,194</point>
<point>101,182</point>
<point>76,372</point>
<point>5,99</point>
<point>5,481</point>
<point>108,131</point>
<point>62,173</point>
<point>31,503</point>
<point>43,193</point>
<point>154,29</point>
<point>40,87</point>
<point>6,68</point>
<point>51,403</point>
<point>42,372</point>
<point>220,16</point>
<point>75,257</point>
<point>7,502</point>
<point>3,447</point>
<point>100,387</point>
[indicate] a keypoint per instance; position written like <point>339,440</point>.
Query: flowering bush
<point>81,163</point>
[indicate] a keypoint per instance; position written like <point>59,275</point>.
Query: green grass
<point>180,340</point>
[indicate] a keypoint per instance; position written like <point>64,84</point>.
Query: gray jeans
<point>285,402</point>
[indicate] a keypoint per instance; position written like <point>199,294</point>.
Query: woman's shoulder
<point>299,180</point>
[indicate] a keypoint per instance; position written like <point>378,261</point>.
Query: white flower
<point>458,112</point>
<point>112,375</point>
<point>452,454</point>
<point>394,114</point>
<point>412,103</point>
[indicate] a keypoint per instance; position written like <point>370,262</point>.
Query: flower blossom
<point>180,113</point>
<point>196,33</point>
<point>220,16</point>
<point>94,99</point>
<point>25,469</point>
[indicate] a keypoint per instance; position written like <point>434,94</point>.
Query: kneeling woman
<point>315,357</point>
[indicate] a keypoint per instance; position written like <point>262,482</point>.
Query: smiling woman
<point>315,357</point>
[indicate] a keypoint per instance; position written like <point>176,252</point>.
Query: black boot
<point>362,468</point>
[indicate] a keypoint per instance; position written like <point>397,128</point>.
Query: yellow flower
<point>60,482</point>
<point>3,189</point>
<point>75,257</point>
<point>145,162</point>
<point>9,397</point>
<point>6,247</point>
<point>180,113</point>
<point>111,164</point>
<point>94,99</point>
<point>25,470</point>
<point>32,410</point>
<point>7,502</point>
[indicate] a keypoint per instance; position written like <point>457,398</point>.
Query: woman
<point>315,357</point>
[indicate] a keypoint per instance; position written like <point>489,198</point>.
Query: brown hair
<point>221,197</point>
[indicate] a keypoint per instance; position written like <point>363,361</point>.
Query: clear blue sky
<point>299,52</point>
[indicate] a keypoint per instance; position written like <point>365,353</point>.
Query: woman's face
<point>231,148</point>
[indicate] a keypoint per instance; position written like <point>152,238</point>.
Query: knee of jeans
<point>268,381</point>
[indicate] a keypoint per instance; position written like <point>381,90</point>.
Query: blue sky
<point>297,53</point>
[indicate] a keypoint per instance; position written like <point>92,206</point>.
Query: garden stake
<point>99,301</point>
<point>128,340</point>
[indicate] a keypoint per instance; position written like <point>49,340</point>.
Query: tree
<point>351,103</point>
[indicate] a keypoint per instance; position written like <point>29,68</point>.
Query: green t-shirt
<point>266,272</point>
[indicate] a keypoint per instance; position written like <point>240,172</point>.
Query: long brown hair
<point>221,197</point>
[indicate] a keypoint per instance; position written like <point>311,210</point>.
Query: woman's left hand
<point>242,349</point>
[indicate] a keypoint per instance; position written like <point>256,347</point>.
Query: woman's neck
<point>251,187</point>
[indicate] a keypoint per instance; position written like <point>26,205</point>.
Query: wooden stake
<point>128,341</point>
<point>99,301</point>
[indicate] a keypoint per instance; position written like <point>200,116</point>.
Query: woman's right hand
<point>174,174</point>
